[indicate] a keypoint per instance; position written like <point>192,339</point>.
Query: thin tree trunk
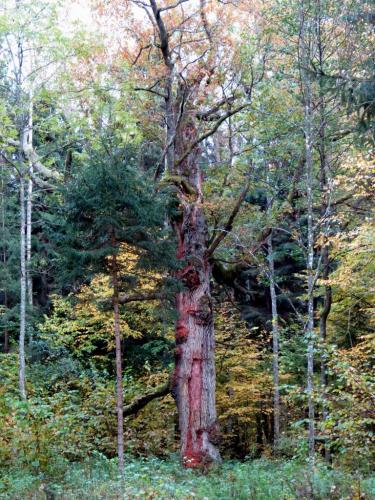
<point>6,331</point>
<point>22,376</point>
<point>327,300</point>
<point>310,283</point>
<point>275,346</point>
<point>305,49</point>
<point>193,382</point>
<point>324,212</point>
<point>119,388</point>
<point>29,207</point>
<point>324,313</point>
<point>4,259</point>
<point>28,239</point>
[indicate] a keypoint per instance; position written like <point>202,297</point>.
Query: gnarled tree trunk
<point>193,382</point>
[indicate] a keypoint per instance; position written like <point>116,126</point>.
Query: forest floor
<point>153,478</point>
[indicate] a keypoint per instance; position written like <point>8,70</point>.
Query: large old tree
<point>186,64</point>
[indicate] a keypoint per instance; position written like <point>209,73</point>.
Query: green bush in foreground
<point>158,479</point>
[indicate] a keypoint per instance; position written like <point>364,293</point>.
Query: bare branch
<point>229,224</point>
<point>32,156</point>
<point>151,90</point>
<point>207,115</point>
<point>140,53</point>
<point>173,6</point>
<point>211,131</point>
<point>38,165</point>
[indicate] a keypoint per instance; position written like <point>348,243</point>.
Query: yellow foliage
<point>244,384</point>
<point>86,318</point>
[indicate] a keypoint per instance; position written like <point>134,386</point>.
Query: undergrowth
<point>152,478</point>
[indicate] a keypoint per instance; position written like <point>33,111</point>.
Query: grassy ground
<point>157,479</point>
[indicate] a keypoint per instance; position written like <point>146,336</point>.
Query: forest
<point>187,249</point>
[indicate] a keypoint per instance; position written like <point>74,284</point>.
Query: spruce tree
<point>107,203</point>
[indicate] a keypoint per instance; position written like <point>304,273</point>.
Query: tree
<point>187,80</point>
<point>108,203</point>
<point>25,28</point>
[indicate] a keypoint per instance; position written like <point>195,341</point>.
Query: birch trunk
<point>29,207</point>
<point>306,84</point>
<point>310,279</point>
<point>22,376</point>
<point>327,299</point>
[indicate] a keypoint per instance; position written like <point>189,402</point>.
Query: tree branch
<point>125,299</point>
<point>210,132</point>
<point>173,6</point>
<point>207,115</point>
<point>229,224</point>
<point>31,155</point>
<point>38,165</point>
<point>152,91</point>
<point>142,401</point>
<point>163,34</point>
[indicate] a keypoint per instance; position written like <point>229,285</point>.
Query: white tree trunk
<point>305,40</point>
<point>22,364</point>
<point>29,207</point>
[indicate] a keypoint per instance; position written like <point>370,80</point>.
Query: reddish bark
<point>193,382</point>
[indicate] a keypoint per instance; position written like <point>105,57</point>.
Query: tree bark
<point>193,382</point>
<point>29,207</point>
<point>327,299</point>
<point>22,364</point>
<point>119,388</point>
<point>306,85</point>
<point>28,240</point>
<point>275,346</point>
<point>4,259</point>
<point>324,212</point>
<point>324,313</point>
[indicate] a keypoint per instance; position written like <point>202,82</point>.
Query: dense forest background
<point>186,210</point>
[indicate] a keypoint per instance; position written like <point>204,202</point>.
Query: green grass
<point>157,479</point>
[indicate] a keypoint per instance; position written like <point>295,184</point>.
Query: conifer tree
<point>106,204</point>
